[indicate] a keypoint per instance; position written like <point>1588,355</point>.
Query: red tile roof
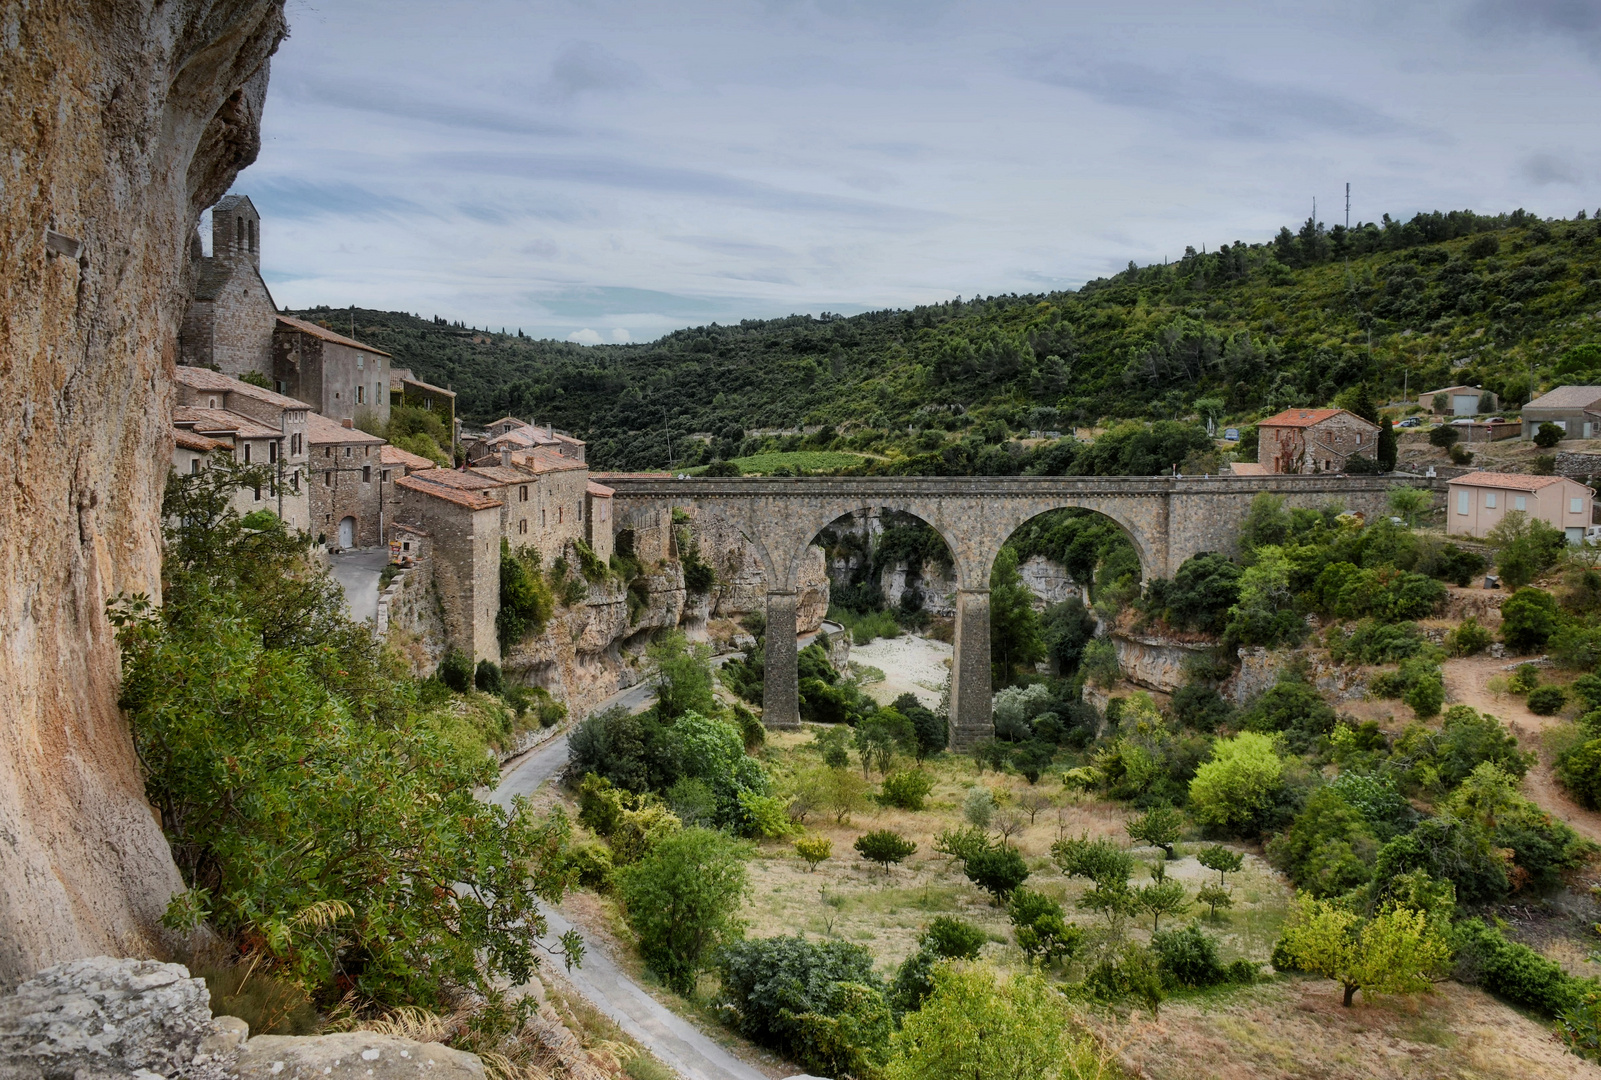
<point>408,380</point>
<point>200,378</point>
<point>394,455</point>
<point>1509,481</point>
<point>320,430</point>
<point>1308,418</point>
<point>222,421</point>
<point>543,459</point>
<point>600,491</point>
<point>325,334</point>
<point>423,484</point>
<point>198,443</point>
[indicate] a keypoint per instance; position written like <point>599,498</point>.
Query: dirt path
<point>1466,682</point>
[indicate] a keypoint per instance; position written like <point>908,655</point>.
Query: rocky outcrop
<point>1260,669</point>
<point>354,1055</point>
<point>105,1017</point>
<point>742,580</point>
<point>1152,661</point>
<point>1048,581</point>
<point>121,121</point>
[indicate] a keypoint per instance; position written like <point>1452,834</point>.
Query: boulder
<point>353,1055</point>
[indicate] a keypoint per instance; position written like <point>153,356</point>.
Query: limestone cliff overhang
<point>426,484</point>
<point>289,322</point>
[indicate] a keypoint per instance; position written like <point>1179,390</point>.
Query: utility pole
<point>668,431</point>
<point>1348,206</point>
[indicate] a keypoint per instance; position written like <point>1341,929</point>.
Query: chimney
<point>505,456</point>
<point>348,422</point>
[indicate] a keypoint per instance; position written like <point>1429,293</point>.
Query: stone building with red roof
<point>1313,440</point>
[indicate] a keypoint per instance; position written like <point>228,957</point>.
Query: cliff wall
<point>121,120</point>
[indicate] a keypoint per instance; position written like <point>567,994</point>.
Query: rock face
<point>1048,581</point>
<point>355,1055</point>
<point>106,1017</point>
<point>1259,671</point>
<point>122,120</point>
<point>1156,663</point>
<point>742,580</point>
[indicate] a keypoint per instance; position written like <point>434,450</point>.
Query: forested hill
<point>1444,298</point>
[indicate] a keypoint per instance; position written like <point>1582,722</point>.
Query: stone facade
<point>1307,441</point>
<point>257,427</point>
<point>598,520</point>
<point>352,493</point>
<point>342,378</point>
<point>463,530</point>
<point>231,314</point>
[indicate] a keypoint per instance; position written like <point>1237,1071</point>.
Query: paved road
<point>357,573</point>
<point>674,1040</point>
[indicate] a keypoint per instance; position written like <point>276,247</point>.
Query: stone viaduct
<point>1168,519</point>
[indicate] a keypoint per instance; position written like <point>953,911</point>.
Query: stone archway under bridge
<point>1167,519</point>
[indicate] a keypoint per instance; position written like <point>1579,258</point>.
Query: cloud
<point>1543,169</point>
<point>621,336</point>
<point>585,336</point>
<point>291,198</point>
<point>582,67</point>
<point>1577,21</point>
<point>452,107</point>
<point>1219,103</point>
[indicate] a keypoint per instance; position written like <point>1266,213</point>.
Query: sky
<point>606,171</point>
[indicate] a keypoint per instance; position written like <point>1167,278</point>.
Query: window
<point>385,478</point>
<point>522,493</point>
<point>294,445</point>
<point>1575,506</point>
<point>560,510</point>
<point>522,526</point>
<point>580,509</point>
<point>211,403</point>
<point>366,474</point>
<point>361,395</point>
<point>328,478</point>
<point>1462,502</point>
<point>194,466</point>
<point>1520,502</point>
<point>1489,500</point>
<point>247,453</point>
<point>239,232</point>
<point>541,519</point>
<point>280,386</point>
<point>272,452</point>
<point>366,451</point>
<point>294,481</point>
<point>347,451</point>
<point>405,545</point>
<point>257,491</point>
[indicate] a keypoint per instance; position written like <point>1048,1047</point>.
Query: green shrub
<point>779,990</point>
<point>1443,435</point>
<point>953,939</point>
<point>1040,928</point>
<point>1484,957</point>
<point>885,847</point>
<point>1468,638</point>
<point>1547,700</point>
<point>600,805</point>
<point>456,671</point>
<point>906,789</point>
<point>682,900</point>
<point>1548,435</point>
<point>1579,769</point>
<point>1291,707</point>
<point>1587,688</point>
<point>1188,958</point>
<point>1239,783</point>
<point>997,871</point>
<point>1524,679</point>
<point>488,678</point>
<point>1426,694</point>
<point>592,863</point>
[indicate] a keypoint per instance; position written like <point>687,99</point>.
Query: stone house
<point>1476,502</point>
<point>1313,440</point>
<point>509,433</point>
<point>463,534</point>
<point>348,484</point>
<point>1459,401</point>
<point>342,378</point>
<point>598,520</point>
<point>1574,409</point>
<point>405,389</point>
<point>230,319</point>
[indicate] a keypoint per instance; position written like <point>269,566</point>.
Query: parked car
<point>1410,421</point>
<point>1231,434</point>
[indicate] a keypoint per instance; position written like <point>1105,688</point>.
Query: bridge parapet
<point>1167,519</point>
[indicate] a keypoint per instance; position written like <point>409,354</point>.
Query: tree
<point>1241,780</point>
<point>1548,435</point>
<point>1388,452</point>
<point>1014,624</point>
<point>1443,435</point>
<point>844,793</point>
<point>997,871</point>
<point>1398,951</point>
<point>1040,928</point>
<point>1408,502</point>
<point>682,899</point>
<point>814,849</point>
<point>1163,896</point>
<point>1158,827</point>
<point>977,1027</point>
<point>932,735</point>
<point>978,807</point>
<point>1031,802</point>
<point>1528,619</point>
<point>878,735</point>
<point>884,846</point>
<point>1214,897</point>
<point>1223,860</point>
<point>683,678</point>
<point>1066,628</point>
<point>1525,547</point>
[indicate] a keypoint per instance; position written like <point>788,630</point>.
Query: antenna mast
<point>1348,205</point>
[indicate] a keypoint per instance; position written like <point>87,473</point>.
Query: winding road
<point>673,1040</point>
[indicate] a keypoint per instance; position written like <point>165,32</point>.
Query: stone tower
<point>236,232</point>
<point>231,314</point>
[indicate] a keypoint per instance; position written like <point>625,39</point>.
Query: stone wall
<point>347,481</point>
<point>123,120</point>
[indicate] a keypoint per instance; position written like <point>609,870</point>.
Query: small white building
<point>1477,502</point>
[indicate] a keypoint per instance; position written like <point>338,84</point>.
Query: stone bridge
<point>1167,519</point>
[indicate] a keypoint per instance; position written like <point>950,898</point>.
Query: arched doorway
<point>347,532</point>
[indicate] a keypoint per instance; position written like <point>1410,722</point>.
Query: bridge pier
<point>780,690</point>
<point>970,719</point>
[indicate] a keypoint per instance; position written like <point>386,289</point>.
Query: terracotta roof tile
<point>544,459</point>
<point>408,380</point>
<point>222,421</point>
<point>1567,397</point>
<point>325,334</point>
<point>1509,481</point>
<point>320,431</point>
<point>200,378</point>
<point>423,485</point>
<point>394,455</point>
<point>199,443</point>
<point>600,491</point>
<point>1249,468</point>
<point>1307,418</point>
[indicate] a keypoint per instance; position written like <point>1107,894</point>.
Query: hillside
<point>1444,298</point>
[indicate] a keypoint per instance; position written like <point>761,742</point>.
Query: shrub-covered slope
<point>1441,299</point>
